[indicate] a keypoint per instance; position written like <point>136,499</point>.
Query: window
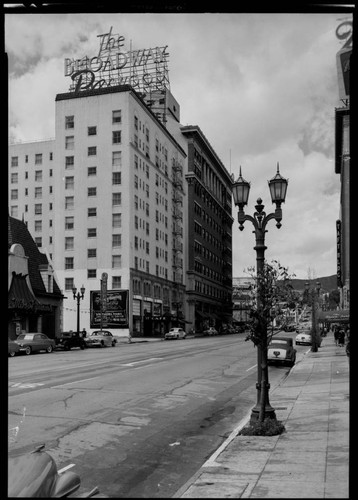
<point>14,178</point>
<point>14,194</point>
<point>92,150</point>
<point>38,192</point>
<point>117,116</point>
<point>69,142</point>
<point>50,172</point>
<point>26,174</point>
<point>38,225</point>
<point>69,161</point>
<point>69,202</point>
<point>116,158</point>
<point>116,137</point>
<point>14,211</point>
<point>91,273</point>
<point>92,191</point>
<point>69,284</point>
<point>92,212</point>
<point>14,161</point>
<point>116,282</point>
<point>38,159</point>
<point>116,261</point>
<point>91,253</point>
<point>50,189</point>
<point>69,222</point>
<point>116,220</point>
<point>136,122</point>
<point>116,199</point>
<point>38,241</point>
<point>116,178</point>
<point>26,158</point>
<point>136,181</point>
<point>69,182</point>
<point>69,122</point>
<point>69,243</point>
<point>116,240</point>
<point>38,175</point>
<point>91,171</point>
<point>92,130</point>
<point>69,262</point>
<point>51,156</point>
<point>38,208</point>
<point>92,232</point>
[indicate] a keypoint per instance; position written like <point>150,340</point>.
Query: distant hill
<point>328,283</point>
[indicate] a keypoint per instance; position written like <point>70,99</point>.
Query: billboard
<point>111,314</point>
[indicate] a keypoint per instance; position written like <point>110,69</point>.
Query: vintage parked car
<point>304,338</point>
<point>34,342</point>
<point>289,327</point>
<point>175,333</point>
<point>12,348</point>
<point>100,338</point>
<point>67,340</point>
<point>281,350</point>
<point>211,331</point>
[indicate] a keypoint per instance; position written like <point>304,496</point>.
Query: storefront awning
<point>20,296</point>
<point>340,316</point>
<point>202,315</point>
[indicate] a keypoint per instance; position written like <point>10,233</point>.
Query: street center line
<point>251,367</point>
<point>75,382</point>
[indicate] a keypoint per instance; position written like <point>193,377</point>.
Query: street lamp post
<point>313,296</point>
<point>78,296</point>
<point>241,189</point>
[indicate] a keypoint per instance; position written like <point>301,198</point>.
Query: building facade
<point>34,298</point>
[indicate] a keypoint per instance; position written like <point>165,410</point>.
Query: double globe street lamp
<point>78,296</point>
<point>241,190</point>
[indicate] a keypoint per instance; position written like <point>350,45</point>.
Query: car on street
<point>290,327</point>
<point>35,342</point>
<point>281,351</point>
<point>175,333</point>
<point>100,338</point>
<point>304,338</point>
<point>67,340</point>
<point>12,348</point>
<point>211,331</point>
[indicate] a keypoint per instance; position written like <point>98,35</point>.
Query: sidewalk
<point>310,459</point>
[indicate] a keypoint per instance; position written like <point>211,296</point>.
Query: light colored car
<point>211,331</point>
<point>34,342</point>
<point>281,350</point>
<point>12,348</point>
<point>304,338</point>
<point>100,338</point>
<point>175,333</point>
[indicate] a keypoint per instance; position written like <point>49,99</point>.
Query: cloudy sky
<point>262,88</point>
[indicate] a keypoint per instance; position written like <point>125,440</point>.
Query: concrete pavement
<point>310,459</point>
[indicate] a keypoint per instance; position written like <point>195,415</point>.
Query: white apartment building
<point>107,196</point>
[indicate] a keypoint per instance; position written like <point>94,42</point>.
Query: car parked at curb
<point>304,338</point>
<point>100,338</point>
<point>175,333</point>
<point>68,340</point>
<point>34,342</point>
<point>281,351</point>
<point>211,331</point>
<point>12,348</point>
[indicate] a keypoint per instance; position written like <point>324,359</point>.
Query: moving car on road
<point>175,333</point>
<point>12,348</point>
<point>69,340</point>
<point>281,350</point>
<point>34,342</point>
<point>100,338</point>
<point>304,338</point>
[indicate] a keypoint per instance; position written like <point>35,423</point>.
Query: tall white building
<point>103,198</point>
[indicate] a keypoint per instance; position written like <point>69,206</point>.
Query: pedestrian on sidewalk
<point>336,334</point>
<point>341,337</point>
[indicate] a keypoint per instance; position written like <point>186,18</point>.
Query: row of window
<point>92,232</point>
<point>116,263</point>
<point>209,290</point>
<point>38,159</point>
<point>148,289</point>
<point>92,150</point>
<point>92,273</point>
<point>92,252</point>
<point>70,121</point>
<point>14,178</point>
<point>92,191</point>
